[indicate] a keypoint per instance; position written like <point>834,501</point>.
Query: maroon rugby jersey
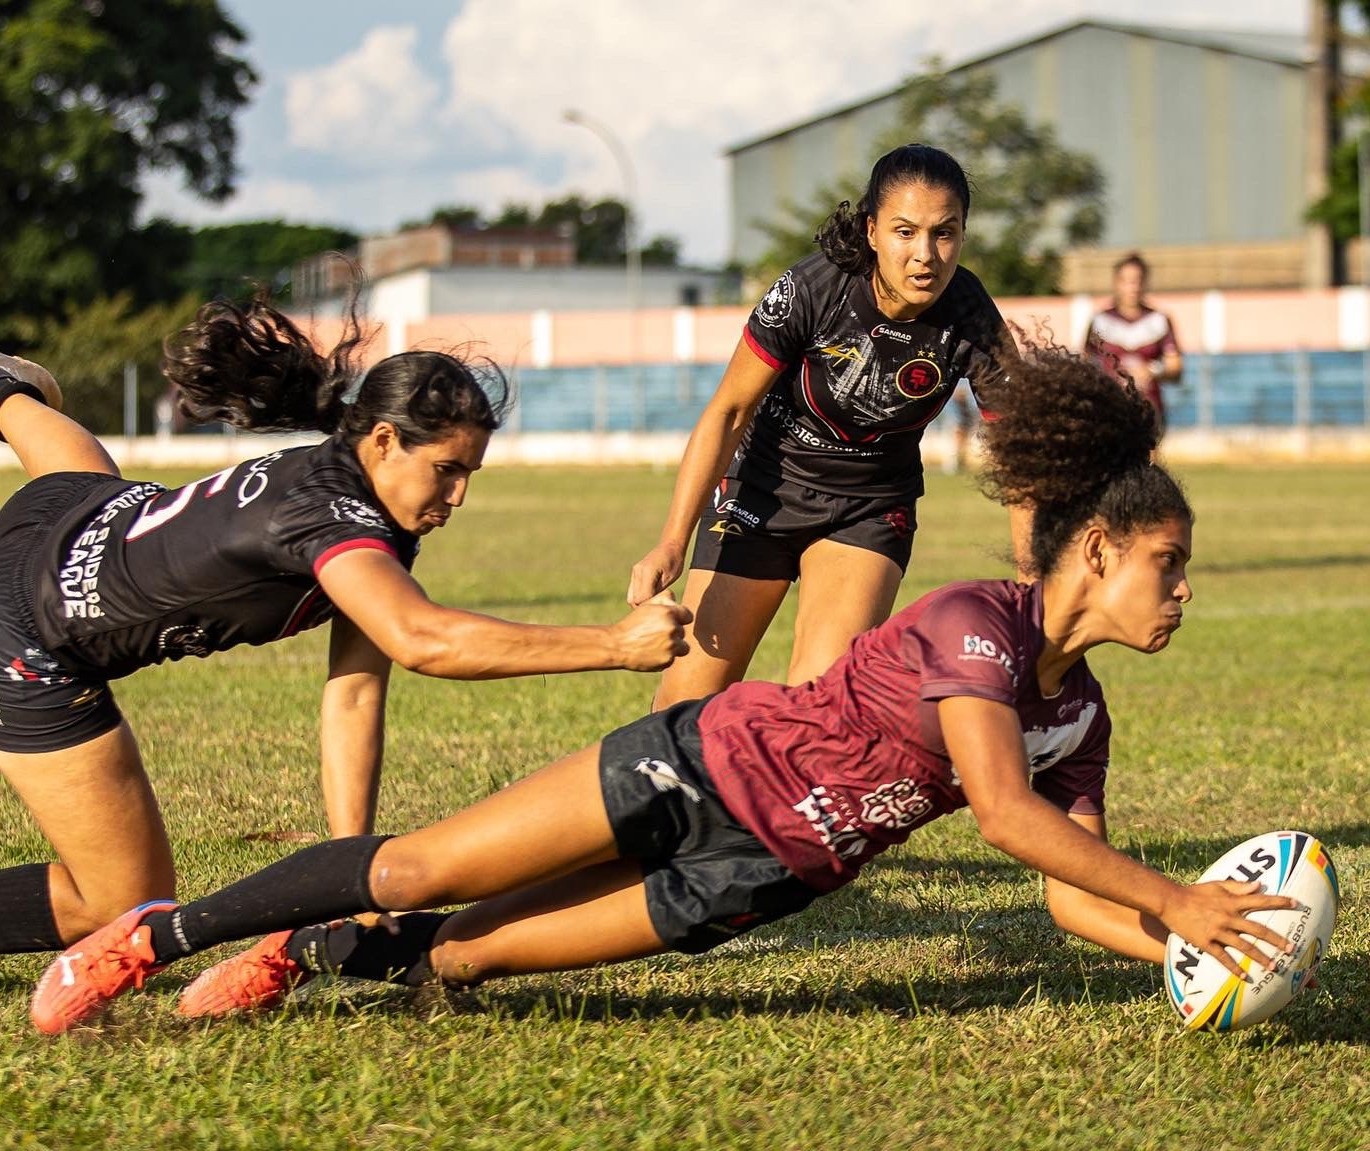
<point>830,773</point>
<point>1119,344</point>
<point>135,574</point>
<point>856,389</point>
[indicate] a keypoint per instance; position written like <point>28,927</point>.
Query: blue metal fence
<point>1271,389</point>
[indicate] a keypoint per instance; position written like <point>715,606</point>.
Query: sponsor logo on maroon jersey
<point>831,823</point>
<point>894,805</point>
<point>975,647</point>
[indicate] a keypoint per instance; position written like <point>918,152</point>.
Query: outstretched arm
<point>986,746</point>
<point>40,435</point>
<point>352,729</point>
<point>373,589</point>
<point>712,443</point>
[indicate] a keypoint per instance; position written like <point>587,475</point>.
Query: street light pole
<point>633,252</point>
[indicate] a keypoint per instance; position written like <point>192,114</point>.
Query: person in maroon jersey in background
<point>100,576</point>
<point>810,445</point>
<point>1132,340</point>
<point>702,821</point>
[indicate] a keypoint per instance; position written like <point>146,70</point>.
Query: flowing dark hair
<point>842,237</point>
<point>1075,445</point>
<point>249,365</point>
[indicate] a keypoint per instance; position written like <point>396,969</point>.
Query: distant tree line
<point>599,227</point>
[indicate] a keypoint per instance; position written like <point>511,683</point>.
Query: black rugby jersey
<point>856,389</point>
<point>135,574</point>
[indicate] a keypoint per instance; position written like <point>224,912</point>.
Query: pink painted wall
<point>1247,321</point>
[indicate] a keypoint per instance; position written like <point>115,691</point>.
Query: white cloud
<point>296,201</point>
<point>677,83</point>
<point>375,100</point>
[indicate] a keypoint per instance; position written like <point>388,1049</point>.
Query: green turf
<point>931,1005</point>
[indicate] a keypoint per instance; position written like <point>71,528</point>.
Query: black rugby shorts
<point>43,707</point>
<point>708,878</point>
<point>759,532</point>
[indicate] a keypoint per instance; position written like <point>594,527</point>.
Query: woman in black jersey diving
<point>811,443</point>
<point>100,576</point>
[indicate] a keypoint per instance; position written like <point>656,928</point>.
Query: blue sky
<point>371,114</point>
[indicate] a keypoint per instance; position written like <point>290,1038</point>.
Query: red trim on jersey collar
<point>352,545</point>
<point>763,355</point>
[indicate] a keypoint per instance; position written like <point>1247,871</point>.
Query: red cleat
<point>253,980</point>
<point>80,982</point>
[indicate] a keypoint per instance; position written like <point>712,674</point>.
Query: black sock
<point>327,881</point>
<point>370,952</point>
<point>26,919</point>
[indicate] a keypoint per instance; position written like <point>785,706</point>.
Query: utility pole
<point>1324,257</point>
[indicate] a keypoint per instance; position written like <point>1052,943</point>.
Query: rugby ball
<point>1204,992</point>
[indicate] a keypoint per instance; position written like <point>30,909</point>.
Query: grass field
<point>931,1005</point>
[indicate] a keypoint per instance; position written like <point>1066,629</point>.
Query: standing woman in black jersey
<point>810,445</point>
<point>100,576</point>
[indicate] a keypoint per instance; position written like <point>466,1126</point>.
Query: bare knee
<point>402,878</point>
<point>463,952</point>
<point>77,914</point>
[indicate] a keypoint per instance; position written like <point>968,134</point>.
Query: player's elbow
<point>419,646</point>
<point>1000,827</point>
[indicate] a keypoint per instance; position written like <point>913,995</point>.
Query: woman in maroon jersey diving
<point>702,821</point>
<point>810,445</point>
<point>103,575</point>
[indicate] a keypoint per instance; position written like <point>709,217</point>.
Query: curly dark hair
<point>249,365</point>
<point>1069,441</point>
<point>842,236</point>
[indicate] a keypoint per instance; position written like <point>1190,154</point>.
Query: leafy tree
<point>451,216</point>
<point>599,227</point>
<point>87,346</point>
<point>1340,208</point>
<point>661,252</point>
<point>232,259</point>
<point>1032,196</point>
<point>93,95</point>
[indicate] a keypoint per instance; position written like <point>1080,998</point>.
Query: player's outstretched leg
<point>88,975</point>
<point>254,980</point>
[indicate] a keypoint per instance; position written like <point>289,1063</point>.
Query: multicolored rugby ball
<point>1293,863</point>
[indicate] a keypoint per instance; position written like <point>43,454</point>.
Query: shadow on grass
<point>1188,852</point>
<point>1283,563</point>
<point>502,605</point>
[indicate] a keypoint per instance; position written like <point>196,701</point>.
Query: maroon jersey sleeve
<point>966,645</point>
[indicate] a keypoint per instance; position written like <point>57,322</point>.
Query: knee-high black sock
<point>370,952</point>
<point>26,919</point>
<point>327,881</point>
